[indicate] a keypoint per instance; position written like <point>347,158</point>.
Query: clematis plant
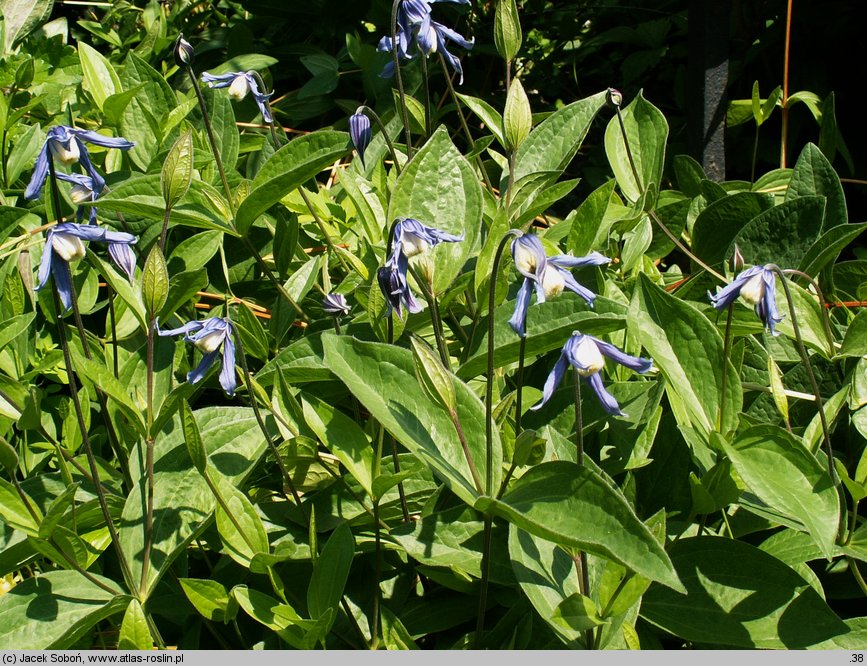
<point>68,145</point>
<point>548,275</point>
<point>239,84</point>
<point>409,238</point>
<point>757,286</point>
<point>359,132</point>
<point>82,191</point>
<point>417,31</point>
<point>210,336</point>
<point>64,244</point>
<point>586,355</point>
<point>336,305</point>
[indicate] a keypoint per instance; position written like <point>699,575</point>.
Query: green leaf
<point>8,457</point>
<point>98,75</point>
<point>814,175</point>
<point>134,632</point>
<point>440,189</point>
<point>299,361</point>
<point>517,117</point>
<point>573,506</point>
<point>177,171</point>
<point>14,512</point>
<point>688,351</point>
<point>740,596</point>
<point>280,618</point>
<point>578,612</point>
<point>289,167</point>
<point>192,438</point>
<point>828,247</point>
<point>507,29</point>
<point>210,598</point>
<point>783,234</point>
<point>343,437</point>
<point>56,511</point>
<point>140,120</point>
<point>549,324</point>
<point>24,152</point>
<point>588,221</point>
<point>383,379</point>
<point>646,131</point>
<point>554,142</point>
<point>717,226</point>
<point>12,328</point>
<point>53,610</point>
<point>330,573</point>
<point>141,196</point>
<point>223,125</point>
<point>154,282</point>
<point>855,342</point>
<point>240,526</point>
<point>183,504</point>
<point>130,295</point>
<point>487,114</point>
<point>782,473</point>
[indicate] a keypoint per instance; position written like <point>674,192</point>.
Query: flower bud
<point>184,53</point>
<point>615,97</point>
<point>336,305</point>
<point>359,132</point>
<point>737,260</point>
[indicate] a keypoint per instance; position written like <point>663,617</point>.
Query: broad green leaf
<point>331,572</point>
<point>487,114</point>
<point>141,196</point>
<point>785,475</point>
<point>222,115</point>
<point>646,133</point>
<point>574,506</point>
<point>183,504</point>
<point>383,379</point>
<point>368,207</point>
<point>739,596</point>
<point>292,165</point>
<point>194,252</point>
<point>299,361</point>
<point>99,78</point>
<point>127,292</point>
<point>24,152</point>
<point>578,612</point>
<point>14,511</point>
<point>140,120</point>
<point>134,632</point>
<point>588,221</point>
<point>343,437</point>
<point>240,526</point>
<point>12,328</point>
<point>689,174</point>
<point>154,282</point>
<point>783,234</point>
<point>8,457</point>
<point>53,610</point>
<point>688,351</point>
<point>21,18</point>
<point>210,598</point>
<point>279,617</point>
<point>814,175</point>
<point>855,342</point>
<point>394,634</point>
<point>55,512</point>
<point>554,142</point>
<point>549,324</point>
<point>517,117</point>
<point>828,247</point>
<point>717,226</point>
<point>440,189</point>
<point>192,438</point>
<point>177,171</point>
<point>507,29</point>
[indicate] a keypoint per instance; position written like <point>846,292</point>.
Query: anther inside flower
<point>65,155</point>
<point>68,246</point>
<point>548,275</point>
<point>756,286</point>
<point>586,356</point>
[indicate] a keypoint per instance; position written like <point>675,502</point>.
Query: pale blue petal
<point>518,321</point>
<point>609,404</point>
<point>636,363</point>
<point>199,372</point>
<point>553,380</point>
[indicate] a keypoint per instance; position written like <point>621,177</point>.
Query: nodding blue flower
<point>359,132</point>
<point>183,51</point>
<point>210,336</point>
<point>82,191</point>
<point>586,355</point>
<point>411,237</point>
<point>335,304</point>
<point>417,31</point>
<point>64,244</point>
<point>549,275</point>
<point>239,84</point>
<point>67,145</point>
<point>756,286</point>
<point>395,288</point>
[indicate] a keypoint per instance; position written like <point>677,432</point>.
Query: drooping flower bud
<point>336,305</point>
<point>615,97</point>
<point>184,53</point>
<point>737,260</point>
<point>359,131</point>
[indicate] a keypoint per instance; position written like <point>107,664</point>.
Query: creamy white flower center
<point>588,358</point>
<point>413,245</point>
<point>552,281</point>
<point>525,260</point>
<point>210,342</point>
<point>69,247</point>
<point>754,290</point>
<point>238,88</point>
<point>432,40</point>
<point>66,156</point>
<point>80,193</point>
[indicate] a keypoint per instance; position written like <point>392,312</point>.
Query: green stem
<point>486,574</point>
<point>328,241</point>
<point>372,114</point>
<point>581,559</point>
<point>377,594</point>
<point>426,85</point>
<point>727,344</point>
<point>597,642</point>
<point>519,381</point>
<point>463,120</point>
<point>456,421</point>
<point>435,319</point>
<point>823,309</point>
<point>393,30</point>
<point>394,457</point>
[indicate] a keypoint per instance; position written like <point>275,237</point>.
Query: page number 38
<point>857,658</point>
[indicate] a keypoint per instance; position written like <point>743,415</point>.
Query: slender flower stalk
<point>370,113</point>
